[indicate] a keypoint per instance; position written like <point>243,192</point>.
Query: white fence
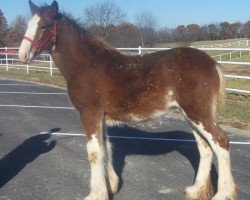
<point>240,42</point>
<point>9,59</point>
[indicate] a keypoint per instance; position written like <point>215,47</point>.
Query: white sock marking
<point>96,157</point>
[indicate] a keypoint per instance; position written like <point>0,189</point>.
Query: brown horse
<point>107,88</point>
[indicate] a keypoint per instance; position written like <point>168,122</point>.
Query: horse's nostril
<point>23,57</point>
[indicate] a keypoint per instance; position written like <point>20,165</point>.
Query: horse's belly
<point>139,114</point>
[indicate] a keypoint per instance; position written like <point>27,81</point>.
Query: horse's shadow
<point>25,153</point>
<point>122,148</point>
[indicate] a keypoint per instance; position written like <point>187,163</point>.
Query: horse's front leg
<point>93,125</point>
<point>112,178</point>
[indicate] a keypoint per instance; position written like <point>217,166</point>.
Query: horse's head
<point>41,32</point>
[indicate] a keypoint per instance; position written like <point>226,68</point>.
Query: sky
<point>169,13</point>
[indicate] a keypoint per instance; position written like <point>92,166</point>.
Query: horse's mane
<point>85,35</point>
<point>74,24</point>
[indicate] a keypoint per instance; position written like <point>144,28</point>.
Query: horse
<point>108,87</point>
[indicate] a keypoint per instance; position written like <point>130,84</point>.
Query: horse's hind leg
<point>202,188</point>
<point>219,143</point>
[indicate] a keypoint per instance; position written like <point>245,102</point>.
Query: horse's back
<point>180,69</point>
<point>145,85</point>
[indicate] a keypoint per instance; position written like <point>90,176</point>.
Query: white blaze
<point>24,50</point>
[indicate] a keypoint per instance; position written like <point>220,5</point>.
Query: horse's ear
<point>34,9</point>
<point>53,10</point>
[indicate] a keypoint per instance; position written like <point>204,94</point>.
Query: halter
<point>50,37</point>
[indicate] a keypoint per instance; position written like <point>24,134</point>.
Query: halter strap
<point>39,45</point>
<point>28,39</point>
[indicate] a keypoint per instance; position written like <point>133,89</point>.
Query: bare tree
<point>181,36</point>
<point>204,33</point>
<point>146,22</point>
<point>229,30</point>
<point>104,15</point>
<point>125,35</point>
<point>213,31</point>
<point>164,35</point>
<point>246,29</point>
<point>16,32</point>
<point>194,32</point>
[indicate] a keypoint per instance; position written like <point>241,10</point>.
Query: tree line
<point>108,21</point>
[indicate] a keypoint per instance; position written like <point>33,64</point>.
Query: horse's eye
<point>43,27</point>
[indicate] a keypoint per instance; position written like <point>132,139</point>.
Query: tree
<point>213,31</point>
<point>204,33</point>
<point>16,32</point>
<point>125,35</point>
<point>236,29</point>
<point>246,29</point>
<point>146,22</point>
<point>104,15</point>
<point>229,31</point>
<point>181,35</point>
<point>3,28</point>
<point>194,32</point>
<point>165,35</point>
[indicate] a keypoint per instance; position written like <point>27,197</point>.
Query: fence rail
<point>239,43</point>
<point>43,62</point>
<point>9,60</point>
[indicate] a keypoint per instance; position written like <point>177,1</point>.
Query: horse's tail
<point>221,97</point>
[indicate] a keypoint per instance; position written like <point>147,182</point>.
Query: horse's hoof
<point>226,195</point>
<point>223,197</point>
<point>99,196</point>
<point>113,183</point>
<point>198,193</point>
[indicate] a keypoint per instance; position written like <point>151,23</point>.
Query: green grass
<point>238,84</point>
<point>34,76</point>
<point>237,109</point>
<point>197,43</point>
<point>211,42</point>
<point>244,58</point>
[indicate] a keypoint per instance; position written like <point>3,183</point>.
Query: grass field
<point>197,43</point>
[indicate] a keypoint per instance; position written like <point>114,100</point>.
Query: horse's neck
<point>70,52</point>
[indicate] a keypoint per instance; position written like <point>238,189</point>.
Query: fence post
<point>230,56</point>
<point>6,59</point>
<point>139,49</point>
<point>27,68</point>
<point>50,65</point>
<point>240,54</point>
